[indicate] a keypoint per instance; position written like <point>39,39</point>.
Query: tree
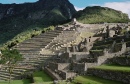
<point>10,57</point>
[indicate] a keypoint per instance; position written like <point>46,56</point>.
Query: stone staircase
<point>32,58</point>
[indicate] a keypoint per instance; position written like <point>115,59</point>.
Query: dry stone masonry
<point>67,51</point>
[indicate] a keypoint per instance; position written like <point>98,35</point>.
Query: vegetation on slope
<point>114,68</point>
<point>93,80</point>
<point>26,20</point>
<point>97,14</point>
<point>18,29</point>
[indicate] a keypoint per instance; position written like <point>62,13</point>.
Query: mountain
<point>39,10</point>
<point>17,19</point>
<point>97,14</point>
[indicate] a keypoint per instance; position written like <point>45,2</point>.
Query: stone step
<point>54,32</point>
<point>35,55</point>
<point>30,63</point>
<point>50,33</point>
<point>7,74</point>
<point>28,53</point>
<point>24,50</point>
<point>6,71</point>
<point>33,44</point>
<point>29,48</point>
<point>36,44</point>
<point>43,37</point>
<point>39,41</point>
<point>7,77</point>
<point>37,60</point>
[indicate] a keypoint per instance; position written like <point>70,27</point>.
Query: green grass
<point>93,80</point>
<point>41,76</point>
<point>44,83</point>
<point>25,81</point>
<point>114,67</point>
<point>45,79</point>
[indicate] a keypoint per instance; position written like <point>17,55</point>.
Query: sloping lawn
<point>25,81</point>
<point>114,67</point>
<point>93,80</point>
<point>41,76</point>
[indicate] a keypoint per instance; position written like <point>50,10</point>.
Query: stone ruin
<point>64,53</point>
<point>77,57</point>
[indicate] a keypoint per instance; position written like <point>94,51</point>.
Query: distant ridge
<point>97,14</point>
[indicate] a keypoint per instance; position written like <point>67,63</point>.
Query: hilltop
<point>97,14</point>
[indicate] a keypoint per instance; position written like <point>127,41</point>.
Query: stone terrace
<point>32,59</point>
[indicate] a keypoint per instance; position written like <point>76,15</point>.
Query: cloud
<point>122,6</point>
<point>79,8</point>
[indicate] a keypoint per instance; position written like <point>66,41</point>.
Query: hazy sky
<point>122,5</point>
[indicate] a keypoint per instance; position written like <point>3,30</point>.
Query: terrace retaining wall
<point>120,76</point>
<point>125,61</point>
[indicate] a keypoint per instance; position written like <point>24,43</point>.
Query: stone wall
<point>62,66</point>
<point>65,57</point>
<point>79,67</point>
<point>112,75</point>
<point>104,59</point>
<point>77,57</point>
<point>53,66</point>
<point>120,61</point>
<point>70,75</point>
<point>58,66</point>
<point>62,74</point>
<point>89,65</point>
<point>52,74</point>
<point>65,75</point>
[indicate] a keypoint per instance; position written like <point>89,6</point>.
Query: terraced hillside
<point>38,49</point>
<point>65,53</point>
<point>30,49</point>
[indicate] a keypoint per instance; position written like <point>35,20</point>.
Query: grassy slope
<point>41,77</point>
<point>93,80</point>
<point>114,67</point>
<point>17,82</point>
<point>98,14</point>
